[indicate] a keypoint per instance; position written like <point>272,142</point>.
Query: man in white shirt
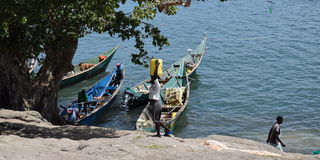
<point>154,96</point>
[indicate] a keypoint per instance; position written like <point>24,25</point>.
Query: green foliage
<point>171,10</point>
<point>144,11</point>
<point>28,26</point>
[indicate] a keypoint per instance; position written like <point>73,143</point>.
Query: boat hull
<point>174,99</point>
<point>89,120</point>
<point>82,75</point>
<point>100,97</point>
<point>149,126</point>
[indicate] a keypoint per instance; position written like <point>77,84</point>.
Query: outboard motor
<point>127,100</point>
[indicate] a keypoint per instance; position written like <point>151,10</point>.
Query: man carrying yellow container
<point>154,95</point>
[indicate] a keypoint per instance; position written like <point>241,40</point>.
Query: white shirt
<point>154,91</point>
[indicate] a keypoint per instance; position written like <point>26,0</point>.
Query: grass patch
<point>154,147</point>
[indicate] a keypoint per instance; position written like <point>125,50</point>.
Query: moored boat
<point>174,97</point>
<point>87,69</point>
<point>100,97</point>
<point>133,97</point>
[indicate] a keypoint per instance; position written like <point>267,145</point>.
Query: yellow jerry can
<point>153,66</point>
<point>173,114</point>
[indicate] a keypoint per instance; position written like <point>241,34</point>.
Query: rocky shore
<point>26,135</point>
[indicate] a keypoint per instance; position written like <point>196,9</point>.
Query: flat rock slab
<point>33,138</point>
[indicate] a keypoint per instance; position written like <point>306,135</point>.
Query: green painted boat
<point>132,97</point>
<point>98,67</point>
<point>174,97</point>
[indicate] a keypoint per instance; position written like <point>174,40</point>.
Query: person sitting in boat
<point>73,114</point>
<point>83,100</point>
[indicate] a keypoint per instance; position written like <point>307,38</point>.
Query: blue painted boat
<point>100,97</point>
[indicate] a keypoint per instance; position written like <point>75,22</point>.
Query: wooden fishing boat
<point>174,96</point>
<point>88,69</point>
<point>100,97</point>
<point>132,97</point>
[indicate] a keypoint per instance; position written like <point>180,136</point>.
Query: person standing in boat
<point>119,74</point>
<point>154,99</point>
<point>274,135</point>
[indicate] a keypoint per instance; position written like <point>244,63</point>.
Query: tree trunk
<point>15,83</point>
<point>58,60</point>
<point>40,93</point>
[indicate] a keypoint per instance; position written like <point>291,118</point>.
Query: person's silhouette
<point>274,135</point>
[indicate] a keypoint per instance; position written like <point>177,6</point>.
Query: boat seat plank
<point>171,106</point>
<point>146,86</point>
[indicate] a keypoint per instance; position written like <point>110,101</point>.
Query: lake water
<point>259,64</point>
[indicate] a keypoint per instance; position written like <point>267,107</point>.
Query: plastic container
<point>153,66</point>
<point>102,57</point>
<point>173,114</point>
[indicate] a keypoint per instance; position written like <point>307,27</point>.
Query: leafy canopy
<point>28,26</point>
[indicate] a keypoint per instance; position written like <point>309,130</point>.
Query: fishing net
<point>174,96</point>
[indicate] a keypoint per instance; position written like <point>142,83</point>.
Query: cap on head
<point>69,110</point>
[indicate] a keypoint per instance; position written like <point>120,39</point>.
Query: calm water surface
<point>258,65</point>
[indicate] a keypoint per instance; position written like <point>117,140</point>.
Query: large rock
<point>30,124</point>
<point>32,138</point>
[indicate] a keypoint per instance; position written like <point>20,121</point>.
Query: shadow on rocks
<point>30,124</point>
<point>71,132</point>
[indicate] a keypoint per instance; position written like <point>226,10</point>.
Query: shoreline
<point>28,134</point>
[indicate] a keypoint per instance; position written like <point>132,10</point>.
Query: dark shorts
<point>156,110</point>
